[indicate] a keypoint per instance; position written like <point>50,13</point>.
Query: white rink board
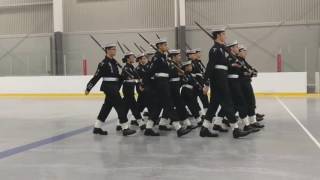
<point>284,82</point>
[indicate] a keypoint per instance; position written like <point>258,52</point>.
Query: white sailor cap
<point>232,44</point>
<point>186,63</point>
<point>191,51</point>
<point>128,53</point>
<point>218,29</point>
<point>140,55</point>
<point>242,47</point>
<point>161,40</point>
<point>109,45</point>
<point>174,51</point>
<point>197,50</point>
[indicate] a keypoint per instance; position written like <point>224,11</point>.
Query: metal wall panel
<point>26,16</point>
<point>210,12</point>
<point>99,15</point>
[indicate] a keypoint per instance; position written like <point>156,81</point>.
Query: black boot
<point>100,131</point>
<point>150,132</point>
<point>260,115</point>
<point>205,132</point>
<point>257,125</point>
<point>219,128</point>
<point>238,133</point>
<point>134,123</point>
<point>226,122</point>
<point>250,129</point>
<point>164,128</point>
<point>182,131</point>
<point>127,132</point>
<point>143,127</point>
<point>259,118</point>
<point>118,128</point>
<point>191,127</point>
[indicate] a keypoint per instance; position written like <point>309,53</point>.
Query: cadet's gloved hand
<point>205,90</point>
<point>236,65</point>
<point>141,88</point>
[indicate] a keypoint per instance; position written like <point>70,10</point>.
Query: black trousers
<point>249,96</point>
<point>112,99</point>
<point>222,96</point>
<point>178,102</point>
<point>162,100</point>
<point>190,98</point>
<point>240,103</point>
<point>142,100</point>
<point>203,98</point>
<point>129,100</point>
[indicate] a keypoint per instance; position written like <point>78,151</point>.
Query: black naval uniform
<point>160,69</point>
<point>198,70</point>
<point>234,71</point>
<point>142,95</point>
<point>189,93</point>
<point>217,72</point>
<point>245,78</point>
<point>108,70</point>
<point>175,82</point>
<point>130,80</point>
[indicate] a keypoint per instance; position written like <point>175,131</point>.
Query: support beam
<point>58,37</point>
<point>180,26</point>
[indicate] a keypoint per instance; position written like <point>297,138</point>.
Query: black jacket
<point>106,68</point>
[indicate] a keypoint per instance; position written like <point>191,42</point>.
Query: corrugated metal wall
<point>26,16</point>
<point>210,12</point>
<point>97,15</point>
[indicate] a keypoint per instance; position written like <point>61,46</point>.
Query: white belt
<point>162,75</point>
<point>223,67</point>
<point>233,76</point>
<point>152,77</point>
<point>187,86</point>
<point>197,74</point>
<point>174,79</point>
<point>110,79</point>
<point>131,81</point>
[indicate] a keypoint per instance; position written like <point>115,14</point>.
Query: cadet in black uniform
<point>141,69</point>
<point>130,80</point>
<point>175,86</point>
<point>159,69</point>
<point>246,86</point>
<point>236,69</point>
<point>198,70</point>
<point>190,88</point>
<point>217,72</point>
<point>108,70</point>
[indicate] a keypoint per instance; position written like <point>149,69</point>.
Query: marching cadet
<point>246,86</point>
<point>190,88</point>
<point>108,70</point>
<point>141,69</point>
<point>159,69</point>
<point>235,69</point>
<point>130,80</point>
<point>175,86</point>
<point>217,72</point>
<point>198,70</point>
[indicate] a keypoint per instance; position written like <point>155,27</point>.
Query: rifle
<point>151,45</point>
<point>204,30</point>
<point>158,36</point>
<point>139,49</point>
<point>125,46</point>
